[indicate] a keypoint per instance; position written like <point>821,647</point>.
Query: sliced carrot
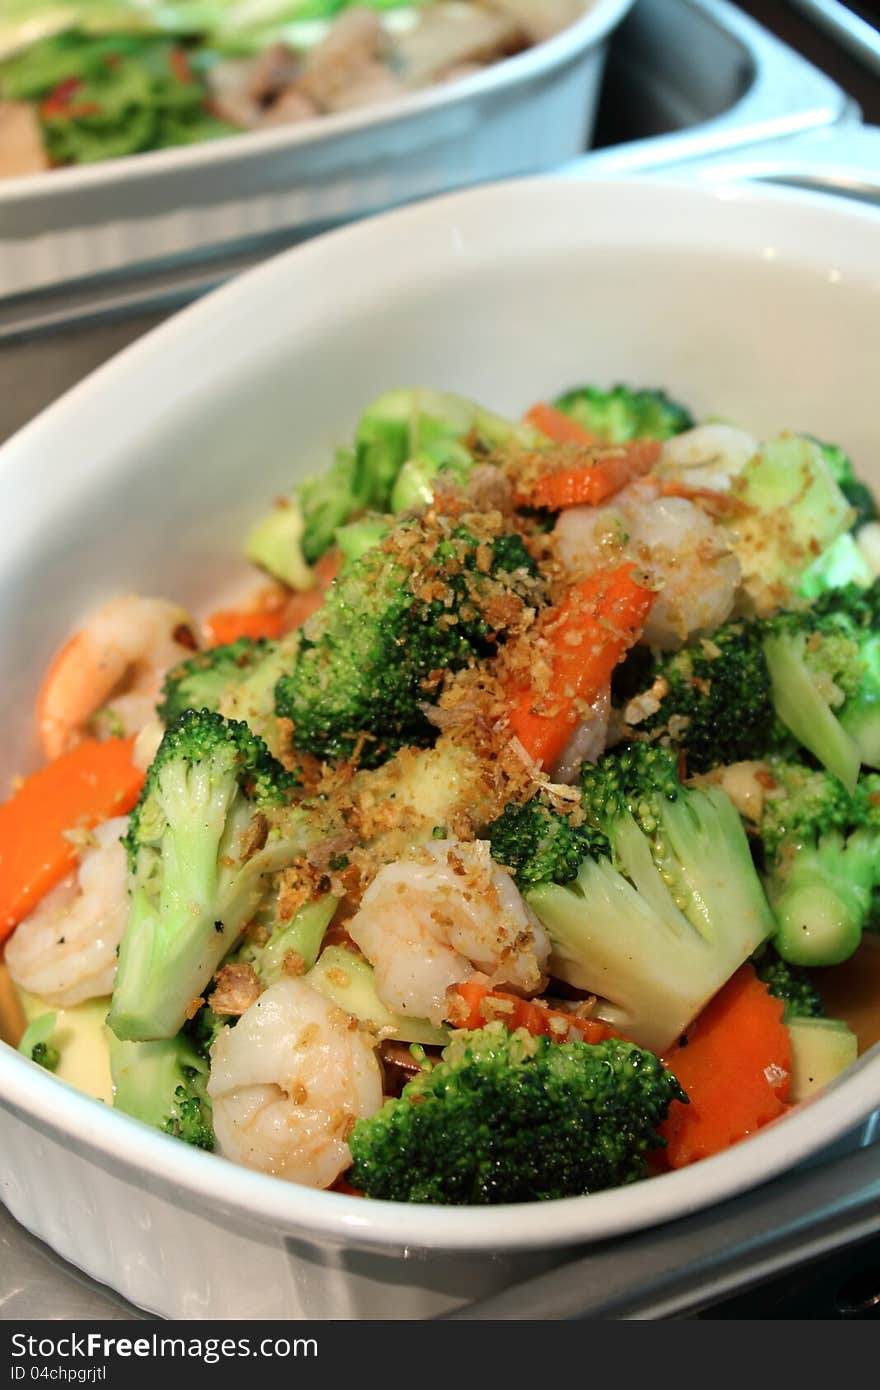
<point>717,503</point>
<point>558,426</point>
<point>734,1065</point>
<point>90,784</point>
<point>588,484</point>
<point>302,605</point>
<point>343,1185</point>
<point>473,1004</point>
<point>229,624</point>
<point>590,631</point>
<point>178,62</point>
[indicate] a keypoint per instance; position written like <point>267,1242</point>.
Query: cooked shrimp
<point>708,456</point>
<point>66,950</point>
<point>679,546</point>
<point>289,1081</point>
<point>114,663</point>
<point>437,919</point>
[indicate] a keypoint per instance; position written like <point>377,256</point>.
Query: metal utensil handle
<point>678,1269</point>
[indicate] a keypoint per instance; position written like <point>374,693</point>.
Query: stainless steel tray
<point>684,79</point>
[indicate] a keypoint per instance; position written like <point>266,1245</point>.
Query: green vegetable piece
<point>795,511</point>
<point>301,936</point>
<point>355,539</point>
<point>789,983</point>
<point>624,413</point>
<point>35,1042</point>
<point>821,1048</point>
<point>655,924</point>
<point>164,1084</point>
<point>275,544</point>
<point>821,868</point>
<point>841,564</point>
<point>853,613</point>
<point>716,703</point>
<point>203,680</point>
<point>857,493</point>
<point>374,654</point>
<point>347,980</point>
<point>202,851</point>
<point>802,708</point>
<point>540,844</point>
<point>252,699</point>
<point>506,1117</point>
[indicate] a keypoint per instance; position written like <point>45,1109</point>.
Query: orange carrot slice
<point>473,1004</point>
<point>301,606</point>
<point>228,624</point>
<point>590,631</point>
<point>90,784</point>
<point>735,1067</point>
<point>587,485</point>
<point>558,426</point>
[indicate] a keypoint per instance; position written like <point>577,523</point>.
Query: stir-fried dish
<point>500,845</point>
<point>85,80</point>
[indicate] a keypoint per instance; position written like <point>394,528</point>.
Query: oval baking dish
<point>756,303</point>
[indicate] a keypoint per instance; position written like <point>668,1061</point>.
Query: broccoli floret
<point>202,681</point>
<point>201,849</point>
<point>714,698</point>
<point>815,670</point>
<point>854,611</point>
<point>761,686</point>
<point>540,844</point>
<point>203,1029</point>
<point>330,499</point>
<point>45,1055</point>
<point>164,1084</point>
<point>378,650</point>
<point>658,923</point>
<point>788,511</point>
<point>253,698</point>
<point>623,413</point>
<point>404,440</point>
<point>821,862</point>
<point>506,1117</point>
<point>841,564</point>
<point>857,493</point>
<point>789,983</point>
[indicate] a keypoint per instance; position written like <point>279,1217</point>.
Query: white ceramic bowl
<point>761,305</point>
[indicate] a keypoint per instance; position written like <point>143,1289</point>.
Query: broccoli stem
<point>301,936</point>
<point>803,710</point>
<point>163,1083</point>
<point>821,899</point>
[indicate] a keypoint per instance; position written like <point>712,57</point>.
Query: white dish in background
<point>522,115</point>
<point>758,304</point>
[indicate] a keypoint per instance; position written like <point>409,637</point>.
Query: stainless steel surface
<point>680,1269</point>
<point>681,64</point>
<point>687,78</point>
<point>852,32</point>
